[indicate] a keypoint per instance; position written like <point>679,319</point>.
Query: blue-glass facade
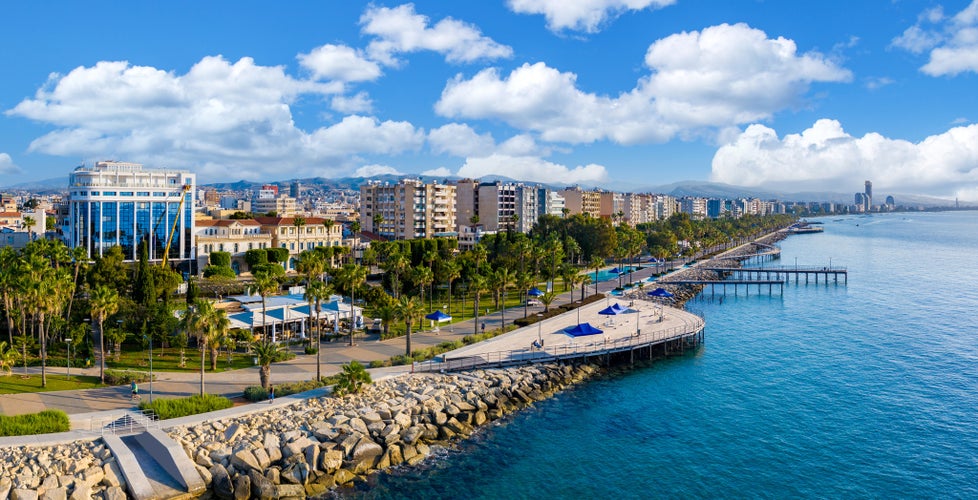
<point>107,209</point>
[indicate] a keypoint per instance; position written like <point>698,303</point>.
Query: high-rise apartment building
<point>579,201</point>
<point>119,203</point>
<point>868,198</point>
<point>409,209</point>
<point>549,203</point>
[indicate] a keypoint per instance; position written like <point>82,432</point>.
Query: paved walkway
<point>91,406</point>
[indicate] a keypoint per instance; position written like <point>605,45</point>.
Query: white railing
<point>130,422</point>
<point>564,351</point>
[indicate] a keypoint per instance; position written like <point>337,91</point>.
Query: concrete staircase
<point>155,466</point>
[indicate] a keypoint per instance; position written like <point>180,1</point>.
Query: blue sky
<point>624,94</point>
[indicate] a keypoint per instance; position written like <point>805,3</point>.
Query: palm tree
<point>452,271</point>
<point>29,224</point>
<point>8,357</point>
<point>584,280</point>
<point>266,352</point>
<point>352,378</point>
<point>209,325</point>
<point>424,276</point>
<point>386,313</point>
<point>353,275</point>
<point>10,263</point>
<point>595,264</point>
<point>377,219</point>
<point>103,303</point>
<point>409,310</point>
<point>503,279</point>
<point>547,299</point>
<point>266,283</point>
<point>298,222</point>
<point>523,282</point>
<point>317,291</point>
<point>477,283</point>
<point>311,264</point>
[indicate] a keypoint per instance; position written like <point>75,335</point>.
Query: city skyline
<point>596,93</point>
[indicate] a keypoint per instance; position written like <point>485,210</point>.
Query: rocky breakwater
<point>309,447</point>
<point>76,470</point>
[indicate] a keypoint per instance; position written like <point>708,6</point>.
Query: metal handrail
<point>130,420</point>
<point>563,351</point>
<point>782,268</point>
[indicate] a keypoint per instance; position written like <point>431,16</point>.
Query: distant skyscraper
<point>860,201</point>
<point>868,200</point>
<point>294,189</point>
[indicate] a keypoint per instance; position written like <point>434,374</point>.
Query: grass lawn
<point>15,383</point>
<point>168,360</point>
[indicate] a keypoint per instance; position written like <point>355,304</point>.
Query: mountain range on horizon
<point>703,189</point>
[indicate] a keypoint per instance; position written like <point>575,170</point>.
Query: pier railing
<point>571,350</point>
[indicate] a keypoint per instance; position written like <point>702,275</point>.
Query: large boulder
<point>366,449</point>
<point>244,460</point>
<point>331,460</point>
<point>242,487</point>
<point>261,487</point>
<point>221,483</point>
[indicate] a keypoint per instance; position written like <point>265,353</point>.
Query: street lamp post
<point>150,337</point>
<point>540,327</point>
<point>68,345</point>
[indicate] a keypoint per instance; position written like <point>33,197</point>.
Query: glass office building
<point>118,203</point>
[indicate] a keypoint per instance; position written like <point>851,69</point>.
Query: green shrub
<point>165,408</point>
<point>310,349</point>
<point>256,256</point>
<point>220,259</point>
<point>213,271</point>
<point>45,422</point>
<point>277,255</point>
<point>352,379</point>
<point>256,393</point>
<point>125,377</point>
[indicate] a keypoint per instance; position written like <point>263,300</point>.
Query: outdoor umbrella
<point>660,292</point>
<point>582,329</point>
<point>611,311</point>
<point>536,292</point>
<point>438,316</point>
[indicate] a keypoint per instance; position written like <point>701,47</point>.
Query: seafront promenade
<point>84,406</point>
<point>87,408</point>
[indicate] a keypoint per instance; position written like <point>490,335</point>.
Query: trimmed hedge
<point>45,422</point>
<point>165,408</point>
<point>125,377</point>
<point>257,393</point>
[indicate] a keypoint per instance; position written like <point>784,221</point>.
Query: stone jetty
<point>76,470</point>
<point>309,447</point>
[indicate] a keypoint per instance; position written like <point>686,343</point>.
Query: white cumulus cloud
<point>459,139</point>
<point>339,62</point>
<point>826,157</point>
<point>722,76</point>
<point>532,169</point>
<point>7,165</point>
<point>357,103</point>
<point>402,30</point>
<point>375,170</point>
<point>438,172</point>
<point>582,15</point>
<point>223,119</point>
<point>952,41</point>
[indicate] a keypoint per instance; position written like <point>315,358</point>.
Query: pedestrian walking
<point>134,388</point>
<point>271,394</point>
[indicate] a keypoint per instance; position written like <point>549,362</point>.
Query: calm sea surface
<point>862,391</point>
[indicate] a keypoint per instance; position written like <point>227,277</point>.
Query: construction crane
<point>176,220</point>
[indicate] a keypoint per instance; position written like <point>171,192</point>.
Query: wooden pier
<point>736,284</point>
<point>784,272</point>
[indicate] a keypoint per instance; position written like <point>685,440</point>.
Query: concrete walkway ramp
<point>155,466</point>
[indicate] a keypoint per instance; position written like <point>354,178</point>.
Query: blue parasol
<point>581,330</point>
<point>536,292</point>
<point>438,316</point>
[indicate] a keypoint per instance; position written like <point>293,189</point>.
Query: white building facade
<point>120,203</point>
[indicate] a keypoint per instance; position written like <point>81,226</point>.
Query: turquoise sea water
<point>862,391</point>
